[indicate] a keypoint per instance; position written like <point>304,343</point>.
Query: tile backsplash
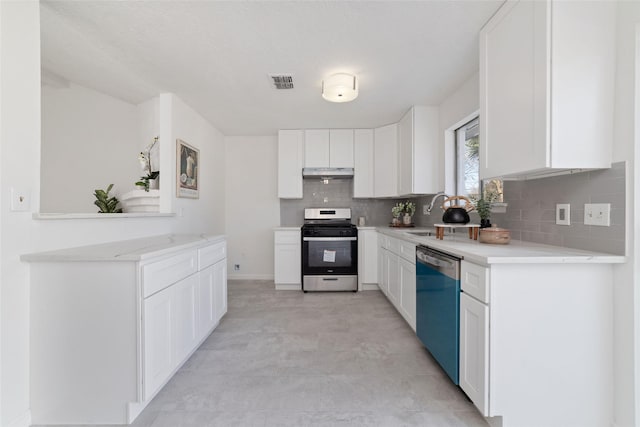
<point>530,213</point>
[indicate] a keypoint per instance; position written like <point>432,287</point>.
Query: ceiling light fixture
<point>340,87</point>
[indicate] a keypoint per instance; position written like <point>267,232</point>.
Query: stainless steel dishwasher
<point>438,306</point>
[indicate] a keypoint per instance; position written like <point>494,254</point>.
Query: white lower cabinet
<point>115,340</point>
<point>394,279</point>
<point>474,351</point>
<point>220,289</point>
<point>158,340</point>
<point>408,292</point>
<point>397,275</point>
<point>287,259</point>
<point>187,331</point>
<point>367,259</point>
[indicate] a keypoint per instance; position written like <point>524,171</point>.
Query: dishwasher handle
<point>446,264</point>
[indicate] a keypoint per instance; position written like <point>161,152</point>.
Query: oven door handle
<point>328,239</point>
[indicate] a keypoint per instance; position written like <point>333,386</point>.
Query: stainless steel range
<point>329,250</point>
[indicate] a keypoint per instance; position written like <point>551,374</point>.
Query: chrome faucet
<point>433,201</point>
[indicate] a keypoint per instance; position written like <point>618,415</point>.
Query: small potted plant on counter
<point>408,209</point>
<point>483,206</point>
<point>404,210</point>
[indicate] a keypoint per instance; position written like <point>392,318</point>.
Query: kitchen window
<point>467,164</point>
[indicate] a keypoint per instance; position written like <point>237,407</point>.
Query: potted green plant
<point>483,206</point>
<point>105,203</point>
<point>408,209</point>
<point>396,211</point>
<point>150,180</point>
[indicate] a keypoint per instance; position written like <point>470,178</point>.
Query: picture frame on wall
<point>187,170</point>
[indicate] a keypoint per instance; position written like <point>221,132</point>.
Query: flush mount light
<point>340,87</point>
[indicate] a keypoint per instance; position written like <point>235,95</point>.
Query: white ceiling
<point>216,55</point>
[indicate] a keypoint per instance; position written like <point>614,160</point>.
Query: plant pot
<point>154,184</point>
<point>406,219</point>
<point>485,223</point>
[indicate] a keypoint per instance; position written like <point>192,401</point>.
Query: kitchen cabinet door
<point>474,351</point>
<point>341,148</point>
<point>287,257</point>
<point>316,148</point>
<point>186,334</point>
<point>363,163</point>
<point>220,289</point>
<point>407,304</point>
<point>367,257</point>
<point>386,161</point>
<point>394,279</point>
<point>158,340</point>
<point>539,88</point>
<point>290,163</point>
<point>206,294</point>
<point>419,171</point>
<point>383,270</point>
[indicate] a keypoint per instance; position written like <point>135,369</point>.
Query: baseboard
<point>370,287</point>
<point>288,287</point>
<point>250,276</point>
<point>23,421</point>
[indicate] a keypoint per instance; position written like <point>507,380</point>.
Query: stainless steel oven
<point>329,250</point>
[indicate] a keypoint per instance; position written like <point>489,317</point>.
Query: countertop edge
<point>138,249</point>
<point>473,251</point>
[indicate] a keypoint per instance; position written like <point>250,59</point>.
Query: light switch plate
<point>20,200</point>
<point>597,214</point>
<point>563,214</point>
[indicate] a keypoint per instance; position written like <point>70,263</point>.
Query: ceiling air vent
<point>282,81</point>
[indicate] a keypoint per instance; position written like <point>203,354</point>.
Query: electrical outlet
<point>563,214</point>
<point>425,209</point>
<point>236,267</point>
<point>597,214</point>
<point>20,200</point>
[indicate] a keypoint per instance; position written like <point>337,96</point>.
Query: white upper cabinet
<point>290,163</point>
<point>418,152</point>
<point>546,88</point>
<point>363,163</point>
<point>386,161</point>
<point>324,148</point>
<point>316,148</point>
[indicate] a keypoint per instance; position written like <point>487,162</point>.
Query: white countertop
<point>516,252</point>
<point>126,250</point>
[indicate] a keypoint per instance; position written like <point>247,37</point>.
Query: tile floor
<point>286,358</point>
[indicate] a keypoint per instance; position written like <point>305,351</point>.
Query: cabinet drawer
<point>408,251</point>
<point>211,254</point>
<point>393,245</point>
<point>158,275</point>
<point>475,281</point>
<point>287,237</point>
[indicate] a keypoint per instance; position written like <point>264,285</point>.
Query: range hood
<point>327,173</point>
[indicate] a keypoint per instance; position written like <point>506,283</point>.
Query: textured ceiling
<point>217,55</point>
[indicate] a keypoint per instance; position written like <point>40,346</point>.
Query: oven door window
<point>330,256</point>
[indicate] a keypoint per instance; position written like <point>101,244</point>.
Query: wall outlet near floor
<point>597,214</point>
<point>563,214</point>
<point>236,267</point>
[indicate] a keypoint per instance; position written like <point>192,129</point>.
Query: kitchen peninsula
<point>112,323</point>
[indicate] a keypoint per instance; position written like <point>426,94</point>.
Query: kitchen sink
<point>422,233</point>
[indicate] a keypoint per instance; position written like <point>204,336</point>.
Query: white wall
<point>20,167</point>
<point>626,295</point>
<point>208,212</point>
<point>454,112</point>
<point>253,207</point>
<point>89,140</point>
